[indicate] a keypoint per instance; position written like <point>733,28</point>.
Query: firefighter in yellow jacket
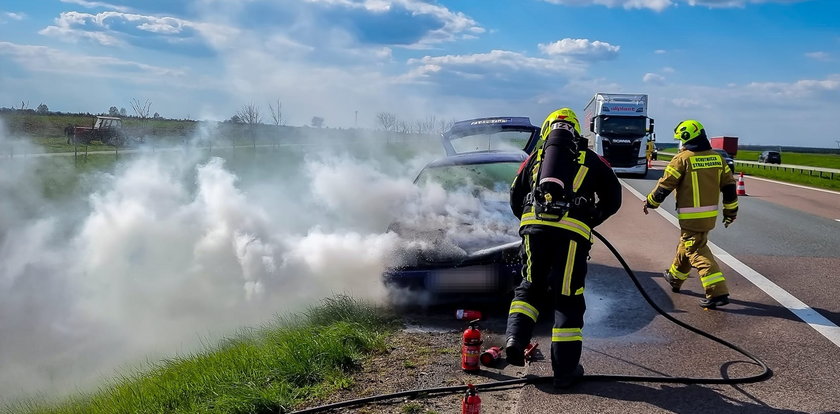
<point>698,175</point>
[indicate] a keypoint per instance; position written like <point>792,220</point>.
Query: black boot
<point>675,283</point>
<point>712,303</point>
<point>514,352</point>
<point>567,380</point>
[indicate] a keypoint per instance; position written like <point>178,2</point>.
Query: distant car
<point>476,253</point>
<point>726,158</point>
<point>770,157</point>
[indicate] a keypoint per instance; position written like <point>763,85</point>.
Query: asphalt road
<point>781,261</point>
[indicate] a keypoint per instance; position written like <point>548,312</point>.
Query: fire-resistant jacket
<point>699,175</point>
<point>593,177</point>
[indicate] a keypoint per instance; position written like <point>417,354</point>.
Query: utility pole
<point>356,122</point>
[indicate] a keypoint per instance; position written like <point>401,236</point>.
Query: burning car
<point>470,246</point>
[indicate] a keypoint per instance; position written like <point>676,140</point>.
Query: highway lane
<point>624,336</point>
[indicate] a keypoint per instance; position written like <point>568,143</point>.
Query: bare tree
<point>24,105</point>
<point>276,115</point>
<point>250,114</point>
<point>142,109</point>
<point>387,120</point>
<point>317,121</point>
<point>444,125</point>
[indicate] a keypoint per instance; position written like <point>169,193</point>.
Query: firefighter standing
<point>698,175</point>
<point>554,195</point>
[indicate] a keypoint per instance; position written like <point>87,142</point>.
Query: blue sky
<point>767,71</point>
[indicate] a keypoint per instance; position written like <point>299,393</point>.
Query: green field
<point>270,370</point>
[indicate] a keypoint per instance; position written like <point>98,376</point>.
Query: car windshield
<point>622,125</point>
<point>505,140</point>
<point>489,177</point>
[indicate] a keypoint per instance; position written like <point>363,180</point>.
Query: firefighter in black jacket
<point>554,195</point>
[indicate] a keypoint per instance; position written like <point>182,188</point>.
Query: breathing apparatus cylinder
<point>471,347</point>
<point>557,168</point>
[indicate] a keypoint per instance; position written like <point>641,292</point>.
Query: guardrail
<point>830,173</point>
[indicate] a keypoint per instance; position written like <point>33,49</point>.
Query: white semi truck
<point>618,129</point>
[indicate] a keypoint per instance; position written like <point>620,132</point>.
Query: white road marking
<point>792,185</point>
<point>804,312</point>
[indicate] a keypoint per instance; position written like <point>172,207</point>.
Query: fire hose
<point>765,374</point>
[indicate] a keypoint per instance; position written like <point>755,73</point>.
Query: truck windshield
<point>623,125</point>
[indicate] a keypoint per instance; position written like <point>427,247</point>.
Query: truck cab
<point>618,129</point>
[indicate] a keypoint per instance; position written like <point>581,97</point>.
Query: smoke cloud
<point>168,251</point>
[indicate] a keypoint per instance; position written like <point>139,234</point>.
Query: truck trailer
<point>728,144</point>
<point>618,129</point>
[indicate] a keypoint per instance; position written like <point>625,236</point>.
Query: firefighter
<point>698,175</point>
<point>560,193</point>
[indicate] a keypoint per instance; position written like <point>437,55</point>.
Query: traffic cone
<point>741,189</point>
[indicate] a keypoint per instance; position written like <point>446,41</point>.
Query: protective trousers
<point>554,269</point>
<point>693,251</point>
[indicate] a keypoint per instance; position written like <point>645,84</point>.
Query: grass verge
<point>270,370</point>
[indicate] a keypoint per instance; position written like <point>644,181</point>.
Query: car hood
<point>457,237</point>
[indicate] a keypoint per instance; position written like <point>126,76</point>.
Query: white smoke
<point>173,248</point>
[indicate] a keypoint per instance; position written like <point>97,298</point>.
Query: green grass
<point>795,158</point>
<point>268,370</point>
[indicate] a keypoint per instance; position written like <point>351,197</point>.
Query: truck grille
<point>622,155</point>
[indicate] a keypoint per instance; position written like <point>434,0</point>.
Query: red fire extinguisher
<point>471,403</point>
<point>471,347</point>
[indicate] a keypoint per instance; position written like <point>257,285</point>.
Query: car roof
<point>491,124</point>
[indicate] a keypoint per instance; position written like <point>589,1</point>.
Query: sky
<point>767,71</point>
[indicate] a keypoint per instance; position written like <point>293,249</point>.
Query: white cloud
<point>13,16</point>
<point>660,51</point>
<point>821,56</point>
<point>96,4</point>
<point>45,59</point>
<point>800,89</point>
<point>653,78</point>
<point>659,5</point>
<point>583,49</point>
<point>99,27</point>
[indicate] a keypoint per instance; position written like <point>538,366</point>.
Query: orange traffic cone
<point>741,189</point>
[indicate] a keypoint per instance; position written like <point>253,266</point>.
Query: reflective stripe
<point>677,274</point>
<point>570,267</point>
<point>579,291</point>
<point>566,222</point>
<point>553,180</point>
<point>711,279</point>
<point>673,171</point>
<point>696,209</point>
<point>579,177</point>
<point>652,201</point>
<point>695,189</point>
<point>528,255</point>
<point>566,335</point>
<point>524,308</point>
<point>731,206</point>
<point>690,216</point>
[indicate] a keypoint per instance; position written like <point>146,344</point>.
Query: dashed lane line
<point>804,312</point>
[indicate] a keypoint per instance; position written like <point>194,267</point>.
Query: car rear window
<point>495,177</point>
<point>507,140</point>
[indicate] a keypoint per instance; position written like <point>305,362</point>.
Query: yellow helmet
<point>688,130</point>
<point>562,114</point>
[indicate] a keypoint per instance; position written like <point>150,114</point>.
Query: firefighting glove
<point>728,217</point>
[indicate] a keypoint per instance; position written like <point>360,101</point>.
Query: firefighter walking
<point>699,176</point>
<point>561,192</point>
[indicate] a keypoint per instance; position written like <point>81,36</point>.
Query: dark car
<point>478,253</point>
<point>770,157</point>
<point>726,158</point>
